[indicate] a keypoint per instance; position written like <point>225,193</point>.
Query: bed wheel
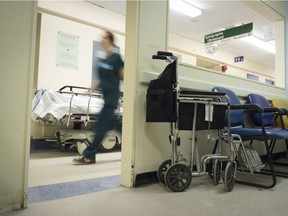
<point>109,142</point>
<point>62,147</point>
<point>162,170</point>
<point>178,177</point>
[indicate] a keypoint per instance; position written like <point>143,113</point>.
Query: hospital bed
<point>77,110</point>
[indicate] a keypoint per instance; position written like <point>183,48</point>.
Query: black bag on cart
<point>161,96</point>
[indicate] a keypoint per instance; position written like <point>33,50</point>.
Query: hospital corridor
<point>193,108</point>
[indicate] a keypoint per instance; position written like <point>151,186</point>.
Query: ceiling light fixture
<point>185,7</point>
<point>267,46</point>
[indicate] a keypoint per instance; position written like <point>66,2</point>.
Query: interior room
<point>218,46</point>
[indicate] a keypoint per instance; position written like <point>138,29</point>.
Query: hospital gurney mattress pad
<point>56,104</point>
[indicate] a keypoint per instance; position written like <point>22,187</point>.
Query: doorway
<point>50,167</point>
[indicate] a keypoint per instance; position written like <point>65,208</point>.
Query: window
<point>257,49</point>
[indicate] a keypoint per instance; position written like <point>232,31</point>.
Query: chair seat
<point>256,133</point>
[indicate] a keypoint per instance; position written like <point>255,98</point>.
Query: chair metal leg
<point>272,172</point>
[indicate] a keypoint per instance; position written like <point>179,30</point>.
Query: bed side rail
<point>76,90</point>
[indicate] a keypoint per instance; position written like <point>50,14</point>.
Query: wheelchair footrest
<point>249,159</point>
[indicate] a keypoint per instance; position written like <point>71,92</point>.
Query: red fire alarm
<point>223,68</point>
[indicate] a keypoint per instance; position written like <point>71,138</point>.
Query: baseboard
<point>146,178</point>
<point>151,177</point>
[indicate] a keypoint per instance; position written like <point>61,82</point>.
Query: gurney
<point>78,110</point>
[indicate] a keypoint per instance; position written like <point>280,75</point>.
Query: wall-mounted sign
<point>67,50</point>
<point>239,59</point>
<point>228,34</point>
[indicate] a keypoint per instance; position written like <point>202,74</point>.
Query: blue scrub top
<point>108,70</point>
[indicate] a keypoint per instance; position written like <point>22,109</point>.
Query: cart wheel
<point>162,170</point>
<point>216,171</point>
<point>178,177</point>
<point>229,178</point>
<point>109,142</point>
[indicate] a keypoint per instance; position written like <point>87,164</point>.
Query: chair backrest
<point>236,116</point>
<point>281,103</point>
<point>268,118</point>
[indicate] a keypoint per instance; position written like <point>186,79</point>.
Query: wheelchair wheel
<point>178,177</point>
<point>162,170</point>
<point>216,171</point>
<point>229,176</point>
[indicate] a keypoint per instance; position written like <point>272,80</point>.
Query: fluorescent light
<point>185,7</point>
<point>269,47</point>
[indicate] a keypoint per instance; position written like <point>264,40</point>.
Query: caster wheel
<point>229,176</point>
<point>162,170</point>
<point>109,142</point>
<point>178,177</point>
<point>62,147</point>
<point>216,171</point>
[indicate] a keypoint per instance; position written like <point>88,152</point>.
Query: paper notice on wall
<point>67,50</point>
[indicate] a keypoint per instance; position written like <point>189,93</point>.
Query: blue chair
<point>269,118</point>
<point>237,116</point>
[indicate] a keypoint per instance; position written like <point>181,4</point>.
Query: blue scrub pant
<point>107,121</point>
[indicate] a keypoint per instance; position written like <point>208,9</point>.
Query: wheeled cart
<point>193,111</point>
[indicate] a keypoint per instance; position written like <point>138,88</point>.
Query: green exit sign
<point>228,34</point>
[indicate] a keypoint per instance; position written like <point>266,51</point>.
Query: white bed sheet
<point>56,104</point>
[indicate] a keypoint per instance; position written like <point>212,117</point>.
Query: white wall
<point>49,74</point>
<point>81,11</point>
<point>80,19</point>
<point>16,68</point>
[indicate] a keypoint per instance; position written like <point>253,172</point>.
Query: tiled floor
<point>53,168</point>
<point>52,175</point>
<point>50,167</point>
